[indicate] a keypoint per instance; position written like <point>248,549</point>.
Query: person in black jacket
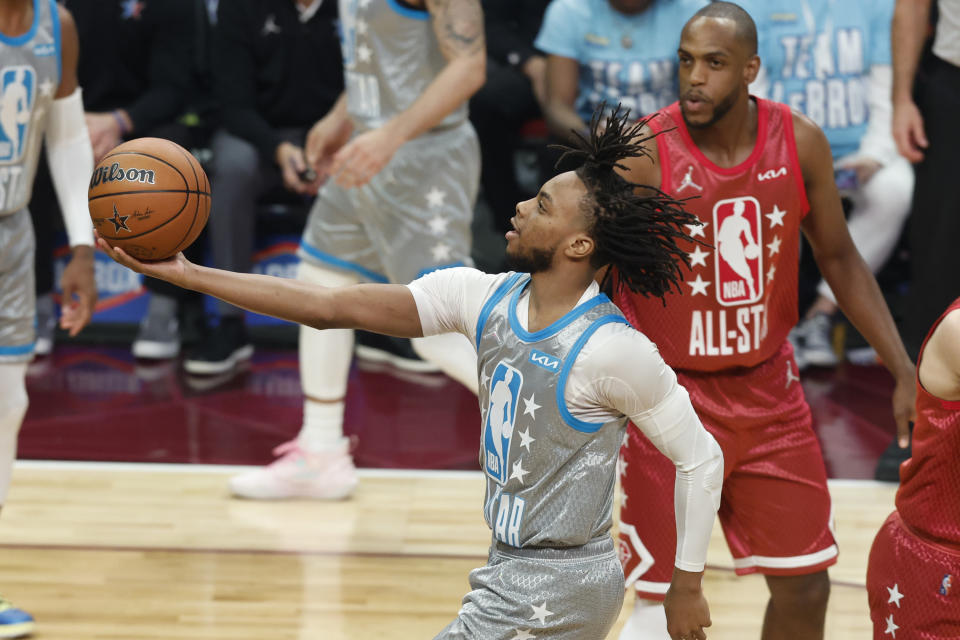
<point>277,69</point>
<point>138,70</point>
<point>512,95</point>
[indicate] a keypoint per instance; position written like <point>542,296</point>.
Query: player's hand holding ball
<point>149,197</point>
<point>752,251</point>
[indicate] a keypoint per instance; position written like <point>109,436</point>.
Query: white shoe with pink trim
<point>325,475</point>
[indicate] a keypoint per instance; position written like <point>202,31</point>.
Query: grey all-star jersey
<point>29,79</point>
<point>550,476</point>
<point>390,55</point>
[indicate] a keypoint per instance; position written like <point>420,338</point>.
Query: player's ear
<point>581,247</point>
<point>751,69</point>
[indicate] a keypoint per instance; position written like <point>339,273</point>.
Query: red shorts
<point>913,586</point>
<point>775,508</point>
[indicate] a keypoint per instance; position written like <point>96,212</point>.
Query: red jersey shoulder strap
<point>947,404</point>
<point>661,124</point>
<point>785,122</point>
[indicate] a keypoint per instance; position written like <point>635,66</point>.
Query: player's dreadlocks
<point>635,233</point>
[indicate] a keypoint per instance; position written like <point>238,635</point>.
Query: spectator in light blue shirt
<point>614,50</point>
<point>830,60</point>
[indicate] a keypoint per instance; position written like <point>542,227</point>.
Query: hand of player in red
<point>364,157</point>
<point>686,607</point>
<point>173,269</point>
<point>79,291</point>
<point>904,408</point>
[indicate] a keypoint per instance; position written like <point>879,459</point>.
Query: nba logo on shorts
<point>946,584</point>
<point>505,388</point>
<point>738,258</point>
<point>16,106</point>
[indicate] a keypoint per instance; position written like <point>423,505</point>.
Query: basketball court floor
<point>119,525</point>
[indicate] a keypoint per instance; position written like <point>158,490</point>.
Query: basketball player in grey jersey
<point>403,165</point>
<point>39,98</point>
<point>560,372</point>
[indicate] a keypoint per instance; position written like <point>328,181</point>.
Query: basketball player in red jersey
<point>758,174</point>
<point>913,578</point>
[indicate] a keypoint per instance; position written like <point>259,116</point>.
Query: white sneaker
<point>816,335</point>
<point>327,475</point>
<point>157,339</point>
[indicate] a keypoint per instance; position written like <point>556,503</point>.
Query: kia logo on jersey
<point>738,259</point>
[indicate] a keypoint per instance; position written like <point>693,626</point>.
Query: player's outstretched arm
<point>382,308</point>
<point>845,271</point>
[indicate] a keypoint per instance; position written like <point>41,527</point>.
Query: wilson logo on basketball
<point>116,173</point>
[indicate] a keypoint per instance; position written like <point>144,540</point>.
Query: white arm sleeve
<point>450,300</point>
<point>637,382</point>
<point>70,157</point>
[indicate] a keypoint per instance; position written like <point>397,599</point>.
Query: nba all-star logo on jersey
<point>19,87</point>
<point>505,386</point>
<point>738,260</point>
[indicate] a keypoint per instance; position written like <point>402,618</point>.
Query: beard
<point>533,261</point>
<point>721,109</point>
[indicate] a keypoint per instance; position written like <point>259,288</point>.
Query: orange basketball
<point>149,197</point>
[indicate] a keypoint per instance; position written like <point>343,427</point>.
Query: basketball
<point>751,251</point>
<point>149,197</point>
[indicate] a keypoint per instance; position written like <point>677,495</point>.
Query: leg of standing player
<point>412,218</point>
<point>765,450</point>
<point>17,304</point>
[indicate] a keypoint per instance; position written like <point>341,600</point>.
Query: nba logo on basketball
<point>946,584</point>
<point>738,259</point>
<point>505,388</point>
<point>16,107</point>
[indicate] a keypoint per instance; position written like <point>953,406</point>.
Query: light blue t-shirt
<point>817,56</point>
<point>623,58</point>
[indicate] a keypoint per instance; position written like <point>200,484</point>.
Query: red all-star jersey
<point>739,296</point>
<point>929,496</point>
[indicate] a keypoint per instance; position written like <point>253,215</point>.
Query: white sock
<point>324,368</point>
<point>13,406</point>
<point>322,428</point>
<point>453,353</point>
<point>647,622</point>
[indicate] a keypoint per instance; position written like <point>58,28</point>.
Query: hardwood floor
<point>158,552</point>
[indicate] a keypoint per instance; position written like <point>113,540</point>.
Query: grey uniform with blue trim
<point>414,216</point>
<point>553,571</point>
<point>29,78</point>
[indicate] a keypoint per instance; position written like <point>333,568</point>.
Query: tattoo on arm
<point>458,25</point>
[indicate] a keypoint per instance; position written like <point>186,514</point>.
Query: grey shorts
<point>412,218</point>
<point>17,295</point>
<point>561,594</point>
